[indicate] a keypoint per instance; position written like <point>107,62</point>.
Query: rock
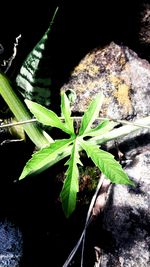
<point>144,30</point>
<point>144,34</point>
<point>124,79</point>
<point>120,74</point>
<point>127,219</point>
<point>11,244</point>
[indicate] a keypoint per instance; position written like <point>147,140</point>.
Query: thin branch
<point>9,61</point>
<point>88,220</point>
<point>131,123</point>
<point>17,123</point>
<point>140,125</point>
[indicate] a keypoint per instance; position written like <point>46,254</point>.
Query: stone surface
<point>11,244</point>
<point>120,74</point>
<point>127,217</point>
<point>145,23</point>
<point>124,79</point>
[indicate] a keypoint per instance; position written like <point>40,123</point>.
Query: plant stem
<point>11,124</point>
<point>21,113</point>
<point>121,131</point>
<point>78,118</point>
<point>116,133</point>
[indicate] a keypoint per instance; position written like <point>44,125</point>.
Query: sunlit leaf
<point>66,112</point>
<point>71,184</point>
<point>91,114</point>
<point>46,116</point>
<point>45,158</point>
<point>102,128</point>
<point>107,164</point>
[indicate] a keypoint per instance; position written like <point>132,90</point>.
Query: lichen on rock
<point>120,74</point>
<point>124,79</point>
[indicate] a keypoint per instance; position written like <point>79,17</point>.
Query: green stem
<point>121,131</point>
<point>21,113</point>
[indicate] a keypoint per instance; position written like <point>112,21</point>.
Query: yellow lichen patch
<point>87,86</point>
<point>78,87</point>
<point>87,65</point>
<point>122,60</point>
<point>94,85</point>
<point>93,70</point>
<point>84,64</point>
<point>115,80</point>
<point>121,93</point>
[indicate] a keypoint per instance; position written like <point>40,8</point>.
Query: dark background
<point>79,27</point>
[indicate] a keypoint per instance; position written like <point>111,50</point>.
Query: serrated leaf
<point>44,158</point>
<point>66,112</point>
<point>46,116</point>
<point>104,127</point>
<point>91,114</point>
<point>71,184</point>
<point>107,164</point>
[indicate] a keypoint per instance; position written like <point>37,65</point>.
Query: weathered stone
<point>144,33</point>
<point>127,218</point>
<point>120,74</point>
<point>124,79</point>
<point>11,244</point>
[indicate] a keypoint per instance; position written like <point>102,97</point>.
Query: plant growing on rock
<point>71,146</point>
<point>33,83</point>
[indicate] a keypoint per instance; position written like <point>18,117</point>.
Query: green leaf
<point>20,111</point>
<point>34,78</point>
<point>107,164</point>
<point>91,114</point>
<point>104,127</point>
<point>46,116</point>
<point>45,158</point>
<point>66,112</point>
<point>71,184</point>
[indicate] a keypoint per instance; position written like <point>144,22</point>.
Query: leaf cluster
<point>71,147</point>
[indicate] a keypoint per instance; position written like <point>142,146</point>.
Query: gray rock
<point>144,33</point>
<point>124,79</point>
<point>11,244</point>
<point>127,217</point>
<point>120,74</point>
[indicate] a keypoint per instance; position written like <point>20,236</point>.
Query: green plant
<point>34,78</point>
<point>39,137</point>
<point>32,82</point>
<point>71,147</point>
